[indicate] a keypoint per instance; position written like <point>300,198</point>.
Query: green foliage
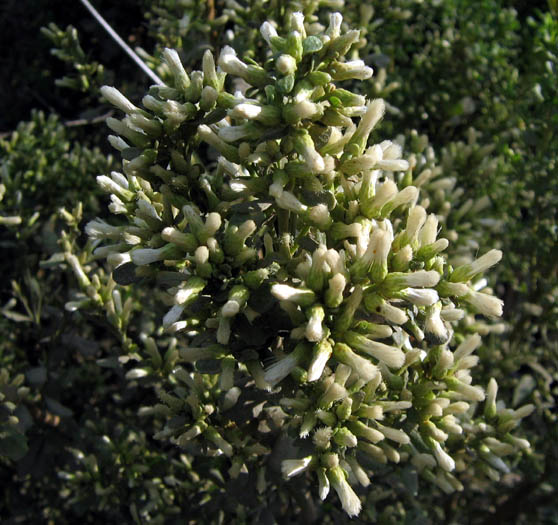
<point>89,76</point>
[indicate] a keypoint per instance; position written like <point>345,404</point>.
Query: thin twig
<point>121,43</point>
<point>72,123</point>
<point>86,121</point>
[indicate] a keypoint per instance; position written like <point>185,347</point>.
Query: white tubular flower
<point>322,437</point>
<point>230,63</point>
<point>524,411</point>
<point>521,444</point>
<point>173,315</point>
<point>388,311</point>
<point>467,271</point>
<point>485,304</point>
<point>356,69</point>
<point>334,293</point>
<point>334,28</point>
<point>452,314</point>
<point>118,142</point>
<point>358,471</point>
<point>419,296</point>
<point>301,296</point>
<point>349,500</point>
<point>374,259</point>
<point>175,65</point>
<point>320,356</point>
<point>323,484</point>
<point>223,330</point>
<point>420,278</point>
<point>493,460</point>
<point>143,256</point>
<point>422,461</point>
<point>467,347</point>
<point>118,99</point>
<point>286,64</point>
<point>429,230</point>
<point>469,392</point>
<point>319,215</point>
<point>392,165</point>
<point>405,196</point>
<point>434,326</point>
<point>340,231</point>
<point>284,366</point>
<point>415,221</point>
<point>448,289</point>
<point>189,290</point>
<point>293,467</point>
<point>288,201</point>
<point>361,430</point>
<point>386,192</point>
<point>268,32</point>
<point>451,424</point>
<point>394,434</point>
<point>361,366</point>
<point>391,150</point>
<point>390,355</point>
<point>248,111</point>
<point>108,185</point>
<point>207,135</point>
<point>445,461</point>
<point>373,115</point>
<point>118,259</point>
<point>334,392</point>
<point>147,210</point>
<point>363,163</point>
<point>99,229</point>
<point>304,146</point>
<point>314,329</point>
<point>81,276</point>
<point>297,23</point>
<point>305,109</point>
<point>490,403</point>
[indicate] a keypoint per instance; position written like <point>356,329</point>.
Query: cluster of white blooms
<point>302,268</point>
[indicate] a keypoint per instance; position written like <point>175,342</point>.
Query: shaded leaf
<point>58,408</point>
<point>125,274</point>
<point>13,445</point>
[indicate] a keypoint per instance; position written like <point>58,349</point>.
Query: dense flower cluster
<point>308,292</point>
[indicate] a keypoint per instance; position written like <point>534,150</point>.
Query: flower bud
<point>118,100</point>
<point>181,79</point>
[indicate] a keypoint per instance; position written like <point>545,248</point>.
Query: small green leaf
<point>311,44</point>
<point>335,102</point>
<point>131,153</point>
<point>285,84</point>
<point>215,116</point>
